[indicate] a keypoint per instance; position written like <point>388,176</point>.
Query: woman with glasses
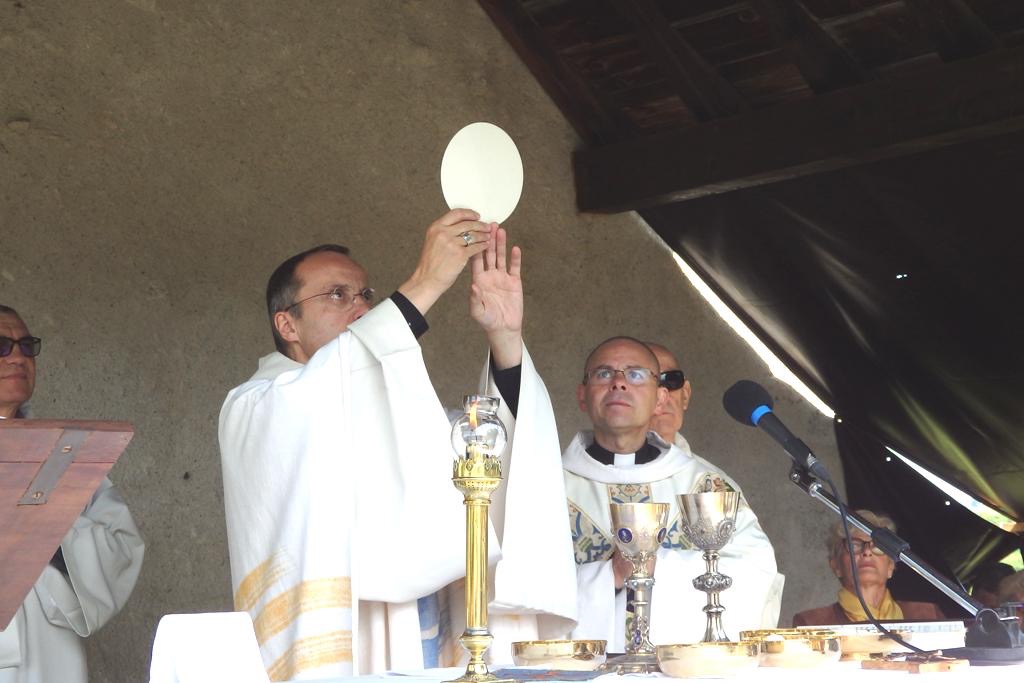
<point>873,570</point>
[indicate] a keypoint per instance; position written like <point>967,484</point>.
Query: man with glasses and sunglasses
<point>337,469</point>
<point>623,460</point>
<point>93,571</point>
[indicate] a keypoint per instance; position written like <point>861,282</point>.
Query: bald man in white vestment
<point>344,528</point>
<point>624,460</point>
<point>93,572</point>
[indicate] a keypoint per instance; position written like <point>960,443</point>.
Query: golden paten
<point>564,655</point>
<point>859,643</point>
<point>708,660</point>
<point>796,648</point>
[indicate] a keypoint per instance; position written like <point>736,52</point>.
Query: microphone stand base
<point>991,640</point>
<point>988,656</point>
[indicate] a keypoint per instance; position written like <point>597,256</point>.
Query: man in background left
<point>93,572</point>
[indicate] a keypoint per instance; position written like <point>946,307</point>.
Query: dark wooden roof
<point>623,68</point>
<point>747,93</point>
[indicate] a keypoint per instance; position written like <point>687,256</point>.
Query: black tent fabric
<point>892,290</point>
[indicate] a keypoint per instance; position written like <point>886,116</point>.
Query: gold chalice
<point>708,522</point>
<point>639,530</point>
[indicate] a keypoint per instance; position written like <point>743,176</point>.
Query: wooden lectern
<point>49,470</point>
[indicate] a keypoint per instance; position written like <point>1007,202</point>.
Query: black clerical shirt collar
<point>646,454</point>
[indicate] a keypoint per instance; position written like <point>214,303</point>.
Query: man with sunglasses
<point>93,571</point>
<point>337,469</point>
<point>623,460</point>
<point>668,419</point>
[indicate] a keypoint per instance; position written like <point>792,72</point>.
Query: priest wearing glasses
<point>345,532</point>
<point>623,459</point>
<point>93,571</point>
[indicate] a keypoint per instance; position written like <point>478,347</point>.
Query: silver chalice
<point>639,529</point>
<point>708,522</point>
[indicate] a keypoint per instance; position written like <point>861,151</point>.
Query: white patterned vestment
<point>752,602</point>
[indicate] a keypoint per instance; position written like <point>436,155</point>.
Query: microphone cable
<point>848,538</point>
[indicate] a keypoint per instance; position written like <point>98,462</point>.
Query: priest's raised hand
<point>450,242</point>
<point>496,298</point>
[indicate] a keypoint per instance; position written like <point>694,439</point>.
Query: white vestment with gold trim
<point>752,602</point>
<point>341,512</point>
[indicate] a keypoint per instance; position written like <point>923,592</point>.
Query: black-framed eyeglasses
<point>341,296</point>
<point>859,546</point>
<point>672,379</point>
<point>30,346</point>
<point>602,375</point>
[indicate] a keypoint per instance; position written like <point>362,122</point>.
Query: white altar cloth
<point>840,672</point>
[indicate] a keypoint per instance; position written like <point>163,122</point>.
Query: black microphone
<point>750,404</point>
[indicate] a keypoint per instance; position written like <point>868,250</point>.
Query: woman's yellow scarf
<point>887,611</point>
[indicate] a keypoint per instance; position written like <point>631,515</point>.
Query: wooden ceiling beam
<point>697,83</point>
<point>699,12</point>
<point>955,30</point>
<point>953,103</point>
<point>595,120</point>
<point>868,13</point>
<point>823,62</point>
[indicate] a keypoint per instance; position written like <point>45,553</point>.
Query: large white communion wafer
<point>482,170</point>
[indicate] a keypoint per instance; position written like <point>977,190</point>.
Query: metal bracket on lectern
<point>50,472</point>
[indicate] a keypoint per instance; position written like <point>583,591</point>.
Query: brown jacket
<point>834,614</point>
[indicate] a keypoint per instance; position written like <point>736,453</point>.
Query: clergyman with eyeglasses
<point>344,529</point>
<point>624,460</point>
<point>92,573</point>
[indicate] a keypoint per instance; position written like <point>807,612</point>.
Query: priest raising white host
<point>337,463</point>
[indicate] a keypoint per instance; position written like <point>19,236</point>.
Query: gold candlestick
<point>481,436</point>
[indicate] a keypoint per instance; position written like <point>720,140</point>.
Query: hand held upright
<point>450,242</point>
<point>496,298</point>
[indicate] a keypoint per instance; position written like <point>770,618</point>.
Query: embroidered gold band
<point>312,653</point>
<point>259,580</point>
<point>308,596</point>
